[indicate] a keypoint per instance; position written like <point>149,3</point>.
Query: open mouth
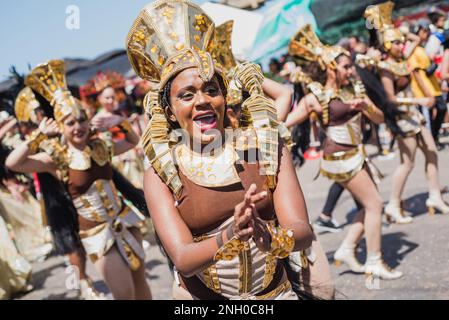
<point>206,121</point>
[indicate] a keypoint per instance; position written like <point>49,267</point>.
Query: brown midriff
<point>204,209</point>
<point>339,113</point>
<point>81,180</point>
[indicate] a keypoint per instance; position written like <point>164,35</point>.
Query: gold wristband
<point>282,241</point>
<point>125,126</point>
<point>34,140</point>
<point>370,109</point>
<point>405,101</point>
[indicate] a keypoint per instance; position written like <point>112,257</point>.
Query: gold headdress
<point>25,105</point>
<point>166,38</point>
<point>380,17</point>
<point>221,50</point>
<point>171,36</point>
<point>49,81</point>
<point>306,45</point>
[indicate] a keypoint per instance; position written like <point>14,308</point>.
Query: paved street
<point>419,249</point>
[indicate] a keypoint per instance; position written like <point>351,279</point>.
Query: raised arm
<point>24,158</point>
<point>306,106</point>
<point>388,83</point>
<point>104,122</point>
<point>282,96</point>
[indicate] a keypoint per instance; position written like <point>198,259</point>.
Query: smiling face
<point>397,49</point>
<point>76,129</point>
<point>197,106</point>
<point>344,71</point>
<point>107,99</point>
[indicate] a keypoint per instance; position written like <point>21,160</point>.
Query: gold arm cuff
<point>35,139</point>
<point>229,250</point>
<point>125,126</point>
<point>282,241</point>
<point>406,101</point>
<point>370,109</point>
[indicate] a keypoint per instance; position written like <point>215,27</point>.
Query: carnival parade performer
<point>340,105</point>
<point>68,150</point>
<point>224,223</point>
<point>396,78</point>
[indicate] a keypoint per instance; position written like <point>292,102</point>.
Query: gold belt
<point>341,155</point>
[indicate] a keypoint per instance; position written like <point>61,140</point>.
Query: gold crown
<point>306,45</point>
<point>25,105</point>
<point>48,79</point>
<point>380,17</point>
<point>168,37</point>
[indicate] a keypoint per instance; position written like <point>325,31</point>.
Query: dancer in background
<point>340,106</point>
<point>82,162</point>
<point>396,79</point>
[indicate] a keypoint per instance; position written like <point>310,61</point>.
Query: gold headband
<point>48,79</point>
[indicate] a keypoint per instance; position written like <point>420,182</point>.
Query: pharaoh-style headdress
<point>101,81</point>
<point>48,79</point>
<point>221,50</point>
<point>25,105</point>
<point>380,17</point>
<point>305,45</point>
<point>168,37</point>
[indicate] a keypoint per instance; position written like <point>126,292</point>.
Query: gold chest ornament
<point>209,170</point>
<point>81,160</point>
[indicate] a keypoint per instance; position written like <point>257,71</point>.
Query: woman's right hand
<point>243,214</point>
<point>49,127</point>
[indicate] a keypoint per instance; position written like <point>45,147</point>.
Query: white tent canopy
<point>246,26</point>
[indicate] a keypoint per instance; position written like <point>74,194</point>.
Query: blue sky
<point>32,31</point>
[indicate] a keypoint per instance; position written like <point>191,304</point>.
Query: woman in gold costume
<point>340,104</point>
<point>82,161</point>
<point>396,78</point>
<point>228,207</point>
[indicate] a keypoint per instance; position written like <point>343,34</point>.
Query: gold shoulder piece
<point>59,154</point>
<point>101,152</point>
<point>398,69</point>
<point>156,144</point>
<point>260,113</point>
